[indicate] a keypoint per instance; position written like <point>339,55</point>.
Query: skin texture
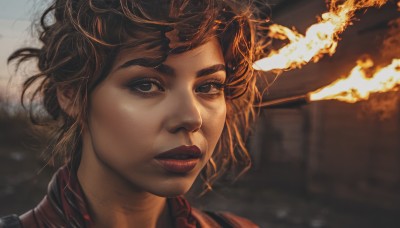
<point>132,120</point>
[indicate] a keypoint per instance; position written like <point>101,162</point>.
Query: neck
<point>113,203</point>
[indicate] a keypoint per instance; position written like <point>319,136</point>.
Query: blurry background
<point>322,164</point>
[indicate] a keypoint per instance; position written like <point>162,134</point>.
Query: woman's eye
<point>146,86</point>
<point>210,88</point>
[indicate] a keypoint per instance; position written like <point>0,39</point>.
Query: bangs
<point>186,24</point>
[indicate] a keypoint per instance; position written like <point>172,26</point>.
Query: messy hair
<point>80,38</point>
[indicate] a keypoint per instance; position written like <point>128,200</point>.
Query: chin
<point>172,188</point>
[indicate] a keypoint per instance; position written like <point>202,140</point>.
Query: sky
<point>15,20</point>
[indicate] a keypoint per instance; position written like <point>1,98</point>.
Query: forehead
<point>206,54</point>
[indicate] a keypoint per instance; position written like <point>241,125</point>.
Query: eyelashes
<point>146,86</point>
<point>211,87</point>
<point>149,87</point>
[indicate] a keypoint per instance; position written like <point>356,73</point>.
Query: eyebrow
<point>170,71</point>
<point>210,70</point>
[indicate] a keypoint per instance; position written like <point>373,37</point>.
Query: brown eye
<point>204,88</point>
<point>210,88</point>
<point>146,86</point>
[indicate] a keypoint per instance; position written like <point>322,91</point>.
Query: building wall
<point>348,151</point>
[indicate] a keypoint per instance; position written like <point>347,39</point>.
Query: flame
<point>358,86</point>
<point>319,39</point>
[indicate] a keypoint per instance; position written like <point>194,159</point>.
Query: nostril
<point>192,126</point>
<point>187,125</point>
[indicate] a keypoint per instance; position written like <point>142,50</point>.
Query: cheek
<point>213,125</point>
<point>120,127</point>
<point>119,124</point>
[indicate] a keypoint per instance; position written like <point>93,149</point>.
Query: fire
<point>319,39</point>
<point>358,86</point>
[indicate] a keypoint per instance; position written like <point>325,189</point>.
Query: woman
<point>146,95</point>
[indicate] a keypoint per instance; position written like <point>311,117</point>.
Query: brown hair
<point>79,38</point>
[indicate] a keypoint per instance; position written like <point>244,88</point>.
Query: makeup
<point>181,159</point>
<point>145,122</point>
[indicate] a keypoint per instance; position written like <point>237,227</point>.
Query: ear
<point>68,100</point>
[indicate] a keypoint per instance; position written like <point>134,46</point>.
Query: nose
<point>185,114</point>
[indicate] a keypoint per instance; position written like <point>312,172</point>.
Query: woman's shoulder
<point>43,215</point>
<point>221,219</point>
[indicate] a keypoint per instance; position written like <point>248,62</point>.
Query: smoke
<point>382,106</point>
<point>386,105</point>
<point>391,43</point>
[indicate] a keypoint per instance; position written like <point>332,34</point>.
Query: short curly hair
<point>80,37</point>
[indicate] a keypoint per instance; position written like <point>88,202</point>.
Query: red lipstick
<point>181,159</point>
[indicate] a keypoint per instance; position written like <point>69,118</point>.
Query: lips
<point>181,159</point>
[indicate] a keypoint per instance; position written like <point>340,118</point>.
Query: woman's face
<point>138,113</point>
